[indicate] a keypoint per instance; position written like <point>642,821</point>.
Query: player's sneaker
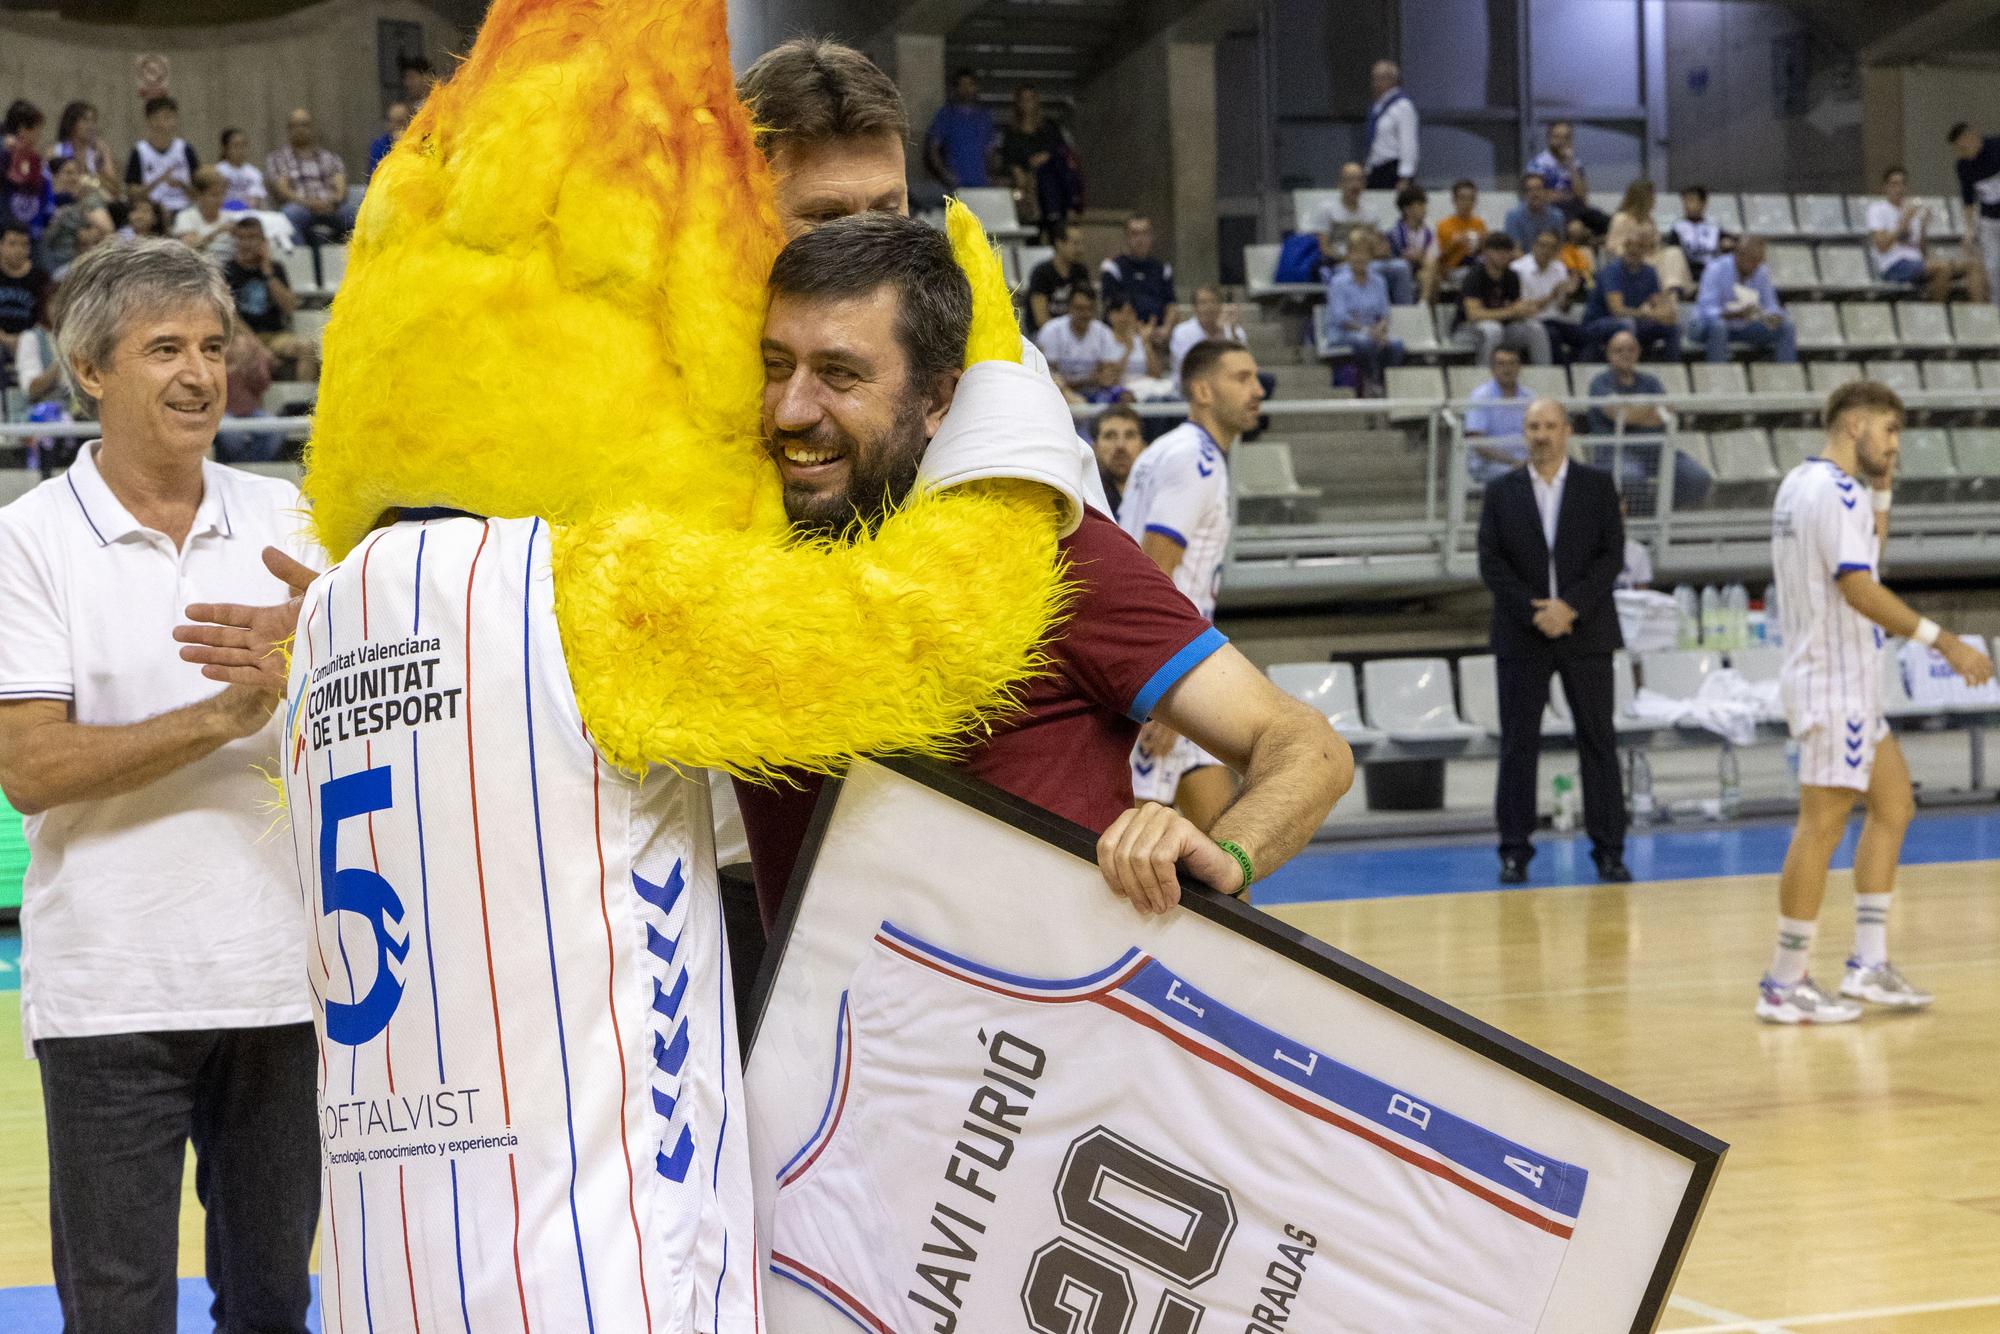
<point>1881,984</point>
<point>1801,1003</point>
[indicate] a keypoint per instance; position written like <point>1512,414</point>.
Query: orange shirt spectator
<point>1460,234</point>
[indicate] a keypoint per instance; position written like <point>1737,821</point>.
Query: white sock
<point>1795,940</point>
<point>1871,928</point>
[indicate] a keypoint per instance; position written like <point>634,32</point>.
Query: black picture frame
<point>1704,1152</point>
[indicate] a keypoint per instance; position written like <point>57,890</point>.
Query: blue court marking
<point>1470,864</point>
<point>35,1310</point>
<point>10,961</point>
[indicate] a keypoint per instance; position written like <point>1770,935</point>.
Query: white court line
<point>1736,1322</point>
<point>1745,1325</point>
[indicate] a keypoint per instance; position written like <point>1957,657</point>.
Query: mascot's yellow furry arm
<point>553,308</point>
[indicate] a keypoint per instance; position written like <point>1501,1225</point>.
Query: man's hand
<point>243,645</point>
<point>244,709</point>
<point>1156,739</point>
<point>1141,853</point>
<point>1553,617</point>
<point>1975,667</point>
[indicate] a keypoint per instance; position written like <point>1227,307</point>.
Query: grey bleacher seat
<point>1010,270</point>
<point>1677,673</point>
<point>1718,378</point>
<point>1440,206</point>
<point>1479,698</point>
<point>1868,324</point>
<point>284,393</point>
<point>1410,699</point>
<point>1950,216</point>
<point>1901,376</point>
<point>1608,201</point>
<point>17,482</point>
<point>1421,383</point>
<point>1546,381</point>
<point>1857,213</point>
<point>1694,444</point>
<point>1759,662</point>
<point>1977,449</point>
<point>1583,372</point>
<point>1381,205</point>
<point>1773,377</point>
<point>1923,324</point>
<point>1975,325</point>
<point>1825,376</point>
<point>1260,269</point>
<point>1673,377</point>
<point>1822,215</point>
<point>332,267</point>
<point>1724,212</point>
<point>300,275</point>
<point>1413,325</point>
<point>1989,373</point>
<point>993,205</point>
<point>1623,690</point>
<point>1028,258</point>
<point>1843,266</point>
<point>1926,454</point>
<point>1742,455</point>
<point>1896,701</point>
<point>310,324</point>
<point>1263,471</point>
<point>1493,207</point>
<point>1769,215</point>
<point>1308,206</point>
<point>1959,377</point>
<point>1795,444</point>
<point>1666,210</point>
<point>1817,324</point>
<point>1328,687</point>
<point>1462,380</point>
<point>285,468</point>
<point>1792,266</point>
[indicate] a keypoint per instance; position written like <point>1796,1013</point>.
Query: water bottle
<point>1711,616</point>
<point>1732,784</point>
<point>1642,791</point>
<point>1687,618</point>
<point>1774,633</point>
<point>1565,812</point>
<point>1736,616</point>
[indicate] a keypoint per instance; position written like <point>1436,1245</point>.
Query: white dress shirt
<point>1396,135</point>
<point>1549,500</point>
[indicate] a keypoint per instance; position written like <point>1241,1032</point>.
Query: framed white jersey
<point>984,1094</point>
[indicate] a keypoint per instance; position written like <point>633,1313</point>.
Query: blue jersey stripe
<point>1011,979</point>
<point>1192,654</point>
<point>548,917</point>
<point>367,1303</point>
<point>832,1088</point>
<point>1172,535</point>
<point>722,1008</point>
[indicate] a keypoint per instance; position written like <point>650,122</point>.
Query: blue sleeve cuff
<point>1197,650</point>
<point>1850,567</point>
<point>1166,532</point>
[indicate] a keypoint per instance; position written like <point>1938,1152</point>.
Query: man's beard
<point>878,481</point>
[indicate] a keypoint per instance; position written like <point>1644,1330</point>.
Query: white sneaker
<point>1881,984</point>
<point>1801,1003</point>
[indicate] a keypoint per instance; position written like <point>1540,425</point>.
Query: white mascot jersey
<point>528,1063</point>
<point>1122,1152</point>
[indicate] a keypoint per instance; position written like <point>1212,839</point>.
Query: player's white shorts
<point>1836,751</point>
<point>1158,777</point>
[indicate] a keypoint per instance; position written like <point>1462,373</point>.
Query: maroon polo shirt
<point>1130,637</point>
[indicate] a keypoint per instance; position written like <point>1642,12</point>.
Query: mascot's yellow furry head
<point>553,307</point>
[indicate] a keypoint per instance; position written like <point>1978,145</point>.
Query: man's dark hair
<point>9,226</point>
<point>1465,183</point>
<point>1411,194</point>
<point>1698,191</point>
<point>1115,411</point>
<point>1862,396</point>
<point>155,105</point>
<point>813,89</point>
<point>964,72</point>
<point>22,115</point>
<point>1951,136</point>
<point>1549,232</point>
<point>72,116</point>
<point>224,140</point>
<point>245,222</point>
<point>854,256</point>
<point>1534,176</point>
<point>1497,241</point>
<point>1057,230</point>
<point>1895,170</point>
<point>1204,357</point>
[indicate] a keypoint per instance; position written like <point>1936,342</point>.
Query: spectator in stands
<point>82,218</point>
<point>37,367</point>
<point>143,218</point>
<point>1357,313</point>
<point>1050,285</point>
<point>1414,241</point>
<point>1623,378</point>
<point>206,224</point>
<point>1117,436</point>
<point>1083,356</point>
<point>1629,295</point>
<point>1979,191</point>
<point>1494,443</point>
<point>162,165</point>
<point>1699,239</point>
<point>1392,130</point>
<point>25,196</point>
<point>1211,319</point>
<point>1739,304</point>
<point>24,287</point>
<point>961,136</point>
<point>1898,232</point>
<point>265,302</point>
<point>1038,154</point>
<point>1336,222</point>
<point>395,120</point>
<point>1494,315</point>
<point>77,137</point>
<point>1142,362</point>
<point>248,365</point>
<point>309,183</point>
<point>418,79</point>
<point>243,184</point>
<point>1459,235</point>
<point>1560,171</point>
<point>1635,217</point>
<point>1547,289</point>
<point>1578,254</point>
<point>1535,213</point>
<point>1144,280</point>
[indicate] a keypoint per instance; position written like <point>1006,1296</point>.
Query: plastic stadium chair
<point>1792,267</point>
<point>1901,376</point>
<point>1947,215</point>
<point>1825,376</point>
<point>284,393</point>
<point>1492,208</point>
<point>310,324</point>
<point>1410,699</point>
<point>1413,325</point>
<point>1923,324</point>
<point>1989,373</point>
<point>1607,201</point>
<point>300,275</point>
<point>1771,377</point>
<point>1822,215</point>
<point>1795,444</point>
<point>1381,204</point>
<point>1423,384</point>
<point>1742,455</point>
<point>1328,687</point>
<point>332,267</point>
<point>1694,444</point>
<point>1926,455</point>
<point>1713,379</point>
<point>1769,215</point>
<point>1673,377</point>
<point>17,482</point>
<point>1760,662</point>
<point>1857,213</point>
<point>993,205</point>
<point>1462,380</point>
<point>1724,212</point>
<point>1678,673</point>
<point>1308,206</point>
<point>1844,267</point>
<point>1479,693</point>
<point>1817,324</point>
<point>1896,701</point>
<point>1976,325</point>
<point>284,468</point>
<point>1958,377</point>
<point>1546,381</point>
<point>1263,471</point>
<point>1868,324</point>
<point>1978,450</point>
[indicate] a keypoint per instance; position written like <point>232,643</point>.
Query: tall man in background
<point>1827,528</point>
<point>1551,546</point>
<point>1392,130</point>
<point>961,137</point>
<point>1979,191</point>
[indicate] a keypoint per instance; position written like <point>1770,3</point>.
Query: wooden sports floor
<point>1861,1194</point>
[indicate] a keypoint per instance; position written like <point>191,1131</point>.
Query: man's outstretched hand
<point>1142,852</point>
<point>243,645</point>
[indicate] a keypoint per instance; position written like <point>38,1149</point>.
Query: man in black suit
<point>1551,544</point>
